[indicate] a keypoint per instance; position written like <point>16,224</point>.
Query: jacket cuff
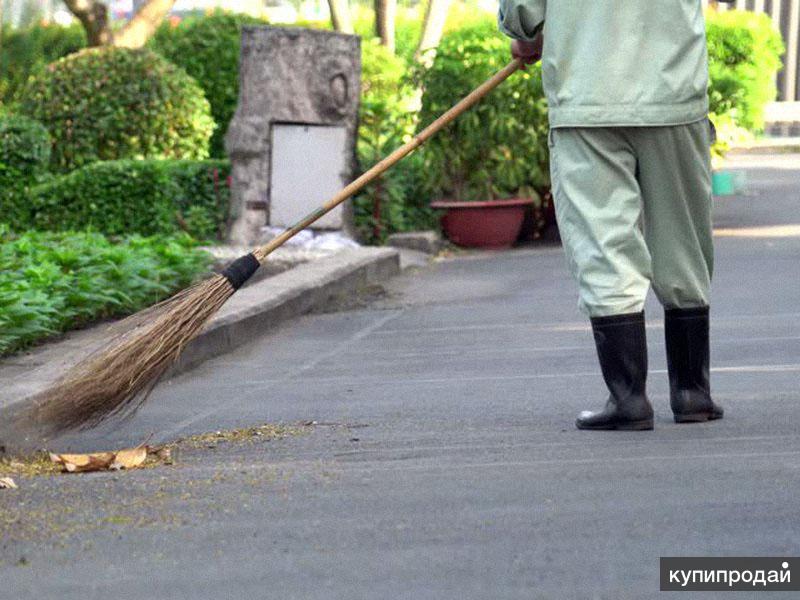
<point>521,19</point>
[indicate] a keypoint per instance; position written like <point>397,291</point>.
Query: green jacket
<point>617,62</point>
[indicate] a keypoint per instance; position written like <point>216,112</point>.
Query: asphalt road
<point>444,462</point>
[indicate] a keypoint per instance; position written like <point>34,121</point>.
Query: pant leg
<point>598,207</point>
<point>675,179</point>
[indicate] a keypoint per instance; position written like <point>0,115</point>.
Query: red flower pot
<point>490,224</point>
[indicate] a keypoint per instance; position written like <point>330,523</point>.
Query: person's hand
<point>528,52</point>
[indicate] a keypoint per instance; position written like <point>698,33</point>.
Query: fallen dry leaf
<point>81,463</point>
<point>129,459</point>
<point>6,483</point>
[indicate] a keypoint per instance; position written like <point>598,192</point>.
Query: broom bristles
<point>118,377</point>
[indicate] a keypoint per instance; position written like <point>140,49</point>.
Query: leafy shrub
<point>499,148</point>
<point>27,51</point>
<point>24,154</point>
<point>396,202</point>
<point>112,103</point>
<point>24,145</point>
<point>204,201</point>
<point>744,55</point>
<point>136,196</point>
<point>51,283</point>
<point>207,48</point>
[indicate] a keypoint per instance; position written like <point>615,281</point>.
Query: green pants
<point>634,208</point>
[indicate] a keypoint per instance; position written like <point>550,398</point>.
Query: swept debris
<point>142,456</point>
<point>129,458</point>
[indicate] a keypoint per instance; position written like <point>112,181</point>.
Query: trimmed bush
<point>27,51</point>
<point>51,283</point>
<point>24,155</point>
<point>207,48</point>
<point>113,103</point>
<point>136,196</point>
<point>499,148</point>
<point>744,55</point>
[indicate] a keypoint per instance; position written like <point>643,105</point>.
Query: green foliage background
<point>499,148</point>
<point>27,51</point>
<point>387,119</point>
<point>207,48</point>
<point>744,54</point>
<point>112,103</point>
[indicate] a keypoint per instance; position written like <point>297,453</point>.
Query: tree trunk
<point>143,24</point>
<point>93,16</point>
<point>432,29</point>
<point>340,16</point>
<point>385,12</point>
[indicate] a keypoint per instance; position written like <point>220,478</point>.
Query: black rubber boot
<point>622,350</point>
<point>688,358</point>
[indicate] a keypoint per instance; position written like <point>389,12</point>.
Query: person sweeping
<point>630,167</point>
<point>629,146</point>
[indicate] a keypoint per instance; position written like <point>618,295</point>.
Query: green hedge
<point>24,155</point>
<point>744,54</point>
<point>113,103</point>
<point>136,196</point>
<point>499,148</point>
<point>51,283</point>
<point>27,51</point>
<point>207,48</point>
<point>24,145</point>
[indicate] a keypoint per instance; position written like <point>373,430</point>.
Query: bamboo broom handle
<point>384,165</point>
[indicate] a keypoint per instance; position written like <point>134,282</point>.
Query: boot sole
<point>697,417</point>
<point>645,425</point>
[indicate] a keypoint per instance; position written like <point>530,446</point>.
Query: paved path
<point>445,463</point>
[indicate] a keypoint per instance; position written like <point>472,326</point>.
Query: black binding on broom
<point>241,270</point>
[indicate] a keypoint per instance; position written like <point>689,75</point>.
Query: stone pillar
<point>290,76</point>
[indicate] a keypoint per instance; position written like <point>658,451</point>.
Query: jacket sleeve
<point>521,19</point>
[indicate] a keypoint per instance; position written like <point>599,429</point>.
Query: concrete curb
<point>301,290</point>
<point>252,311</point>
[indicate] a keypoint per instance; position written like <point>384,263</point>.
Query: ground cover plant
<point>53,282</point>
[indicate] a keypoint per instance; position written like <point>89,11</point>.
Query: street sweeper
<point>631,175</point>
<point>626,85</point>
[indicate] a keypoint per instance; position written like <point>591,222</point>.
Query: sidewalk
<point>442,461</point>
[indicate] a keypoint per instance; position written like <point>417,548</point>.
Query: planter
<point>490,224</point>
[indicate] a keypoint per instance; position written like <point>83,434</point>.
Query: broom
<point>120,376</point>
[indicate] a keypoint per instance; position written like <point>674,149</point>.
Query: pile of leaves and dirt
<point>45,463</point>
